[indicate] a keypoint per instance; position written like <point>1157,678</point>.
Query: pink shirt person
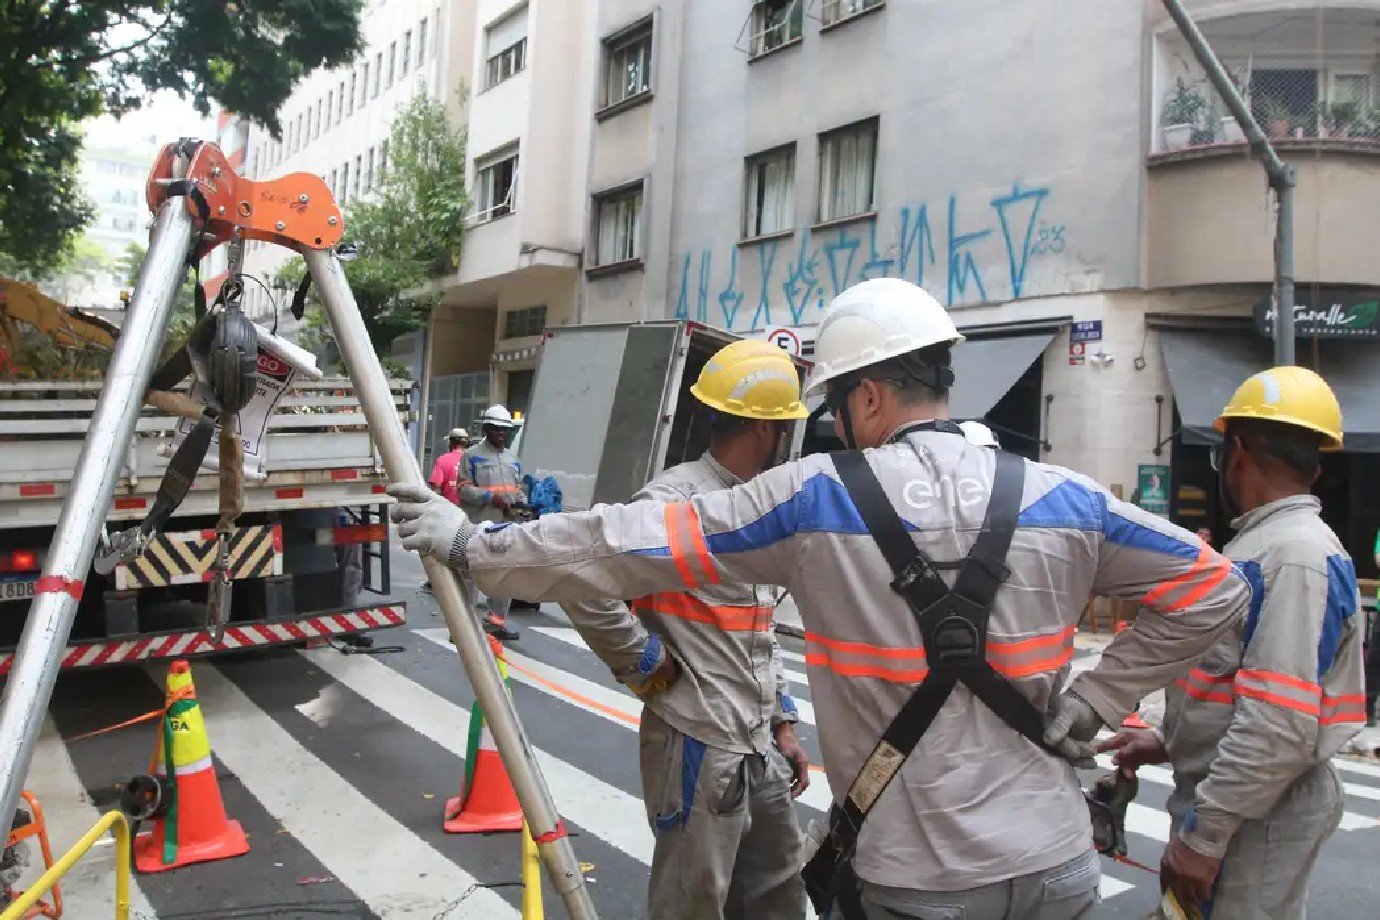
<point>446,468</point>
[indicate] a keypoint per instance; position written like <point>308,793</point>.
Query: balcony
<point>1308,76</point>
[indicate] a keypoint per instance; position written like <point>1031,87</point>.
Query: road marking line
<point>605,811</point>
<point>89,889</point>
<point>407,878</point>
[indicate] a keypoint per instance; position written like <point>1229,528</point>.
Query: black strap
<point>953,626</point>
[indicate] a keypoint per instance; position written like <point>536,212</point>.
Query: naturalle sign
<point>1336,314</point>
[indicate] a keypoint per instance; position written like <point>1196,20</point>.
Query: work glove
<point>1070,727</point>
<point>429,524</point>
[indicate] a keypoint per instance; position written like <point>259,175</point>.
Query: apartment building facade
<point>1076,196</point>
<point>336,123</point>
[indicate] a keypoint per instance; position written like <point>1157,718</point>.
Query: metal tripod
<point>197,196</point>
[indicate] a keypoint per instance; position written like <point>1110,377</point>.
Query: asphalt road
<point>338,767</point>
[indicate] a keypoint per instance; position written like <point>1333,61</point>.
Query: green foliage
<point>61,63</point>
<point>408,231</point>
<point>1184,106</point>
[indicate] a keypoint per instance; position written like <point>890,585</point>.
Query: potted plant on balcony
<point>1275,116</point>
<point>1232,132</point>
<point>1182,111</point>
<point>1340,119</point>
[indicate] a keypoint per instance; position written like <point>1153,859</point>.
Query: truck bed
<point>319,453</point>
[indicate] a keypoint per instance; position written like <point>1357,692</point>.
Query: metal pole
<point>371,387</point>
<point>1279,173</point>
<point>39,656</point>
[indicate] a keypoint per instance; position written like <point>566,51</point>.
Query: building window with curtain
<point>618,226</point>
<point>359,175</point>
<point>378,74</point>
<point>847,171</point>
<point>505,47</point>
<point>345,182</point>
<point>832,11</point>
<point>627,64</point>
<point>392,63</point>
<point>383,158</point>
<point>421,41</point>
<point>354,88</point>
<point>495,182</point>
<point>407,51</point>
<point>769,192</point>
<point>369,170</point>
<point>340,104</point>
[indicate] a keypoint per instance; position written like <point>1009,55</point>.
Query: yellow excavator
<point>45,340</point>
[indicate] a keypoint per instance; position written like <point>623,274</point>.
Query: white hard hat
<point>875,320</point>
<point>496,417</point>
<point>459,433</point>
<point>979,435</point>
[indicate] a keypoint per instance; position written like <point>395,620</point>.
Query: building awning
<point>1205,368</point>
<point>985,369</point>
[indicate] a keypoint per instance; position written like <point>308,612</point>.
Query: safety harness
<point>953,626</point>
<point>220,355</point>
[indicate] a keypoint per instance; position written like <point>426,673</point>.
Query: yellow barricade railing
<point>112,821</point>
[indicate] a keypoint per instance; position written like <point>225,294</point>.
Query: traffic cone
<point>193,828</point>
<point>486,801</point>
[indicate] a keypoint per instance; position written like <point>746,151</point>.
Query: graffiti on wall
<point>959,257</point>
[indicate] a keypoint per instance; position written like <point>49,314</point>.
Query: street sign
<point>786,340</point>
<point>1086,331</point>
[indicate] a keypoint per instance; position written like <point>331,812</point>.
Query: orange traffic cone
<point>487,801</point>
<point>193,828</point>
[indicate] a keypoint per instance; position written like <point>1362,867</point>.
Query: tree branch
<point>88,59</point>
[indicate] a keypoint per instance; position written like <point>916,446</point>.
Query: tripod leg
<point>39,656</point>
<point>371,386</point>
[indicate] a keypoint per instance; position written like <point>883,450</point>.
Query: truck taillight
<point>37,490</point>
<point>21,560</point>
<point>363,533</point>
<point>284,494</point>
<point>379,489</point>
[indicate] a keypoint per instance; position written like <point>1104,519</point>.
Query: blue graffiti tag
<point>875,266</point>
<point>843,242</point>
<point>962,266</point>
<point>916,237</point>
<point>766,259</point>
<point>800,284</point>
<point>683,302</point>
<point>702,294</point>
<point>1016,263</point>
<point>730,298</point>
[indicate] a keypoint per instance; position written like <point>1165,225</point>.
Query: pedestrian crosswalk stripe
<point>88,890</point>
<point>1165,777</point>
<point>402,880</point>
<point>606,812</point>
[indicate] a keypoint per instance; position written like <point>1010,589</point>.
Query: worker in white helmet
<point>918,565</point>
<point>491,489</point>
<point>979,435</point>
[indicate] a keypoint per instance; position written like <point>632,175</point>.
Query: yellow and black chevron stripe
<point>186,557</point>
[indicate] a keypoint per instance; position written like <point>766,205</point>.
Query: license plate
<point>17,590</point>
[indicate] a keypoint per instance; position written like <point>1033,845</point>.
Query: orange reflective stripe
<point>1021,646</point>
<point>689,607</point>
<point>862,648</point>
<point>1030,668</point>
<point>1207,572</point>
<point>1280,690</point>
<point>1201,685</point>
<point>503,490</point>
<point>1286,680</point>
<point>686,544</point>
<point>853,669</point>
<point>1349,707</point>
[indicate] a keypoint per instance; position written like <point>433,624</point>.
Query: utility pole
<point>1279,173</point>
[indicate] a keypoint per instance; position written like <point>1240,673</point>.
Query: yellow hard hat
<point>1290,396</point>
<point>753,379</point>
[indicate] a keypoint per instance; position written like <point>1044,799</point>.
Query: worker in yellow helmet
<point>720,759</point>
<point>1251,731</point>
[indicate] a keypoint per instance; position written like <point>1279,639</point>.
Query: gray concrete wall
<point>1010,158</point>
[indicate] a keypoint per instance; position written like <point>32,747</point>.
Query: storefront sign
<point>1077,354</point>
<point>1086,331</point>
<point>1152,488</point>
<point>1345,313</point>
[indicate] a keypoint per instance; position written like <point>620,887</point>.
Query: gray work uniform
<point>486,472</point>
<point>1251,730</point>
<point>717,791</point>
<point>976,803</point>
